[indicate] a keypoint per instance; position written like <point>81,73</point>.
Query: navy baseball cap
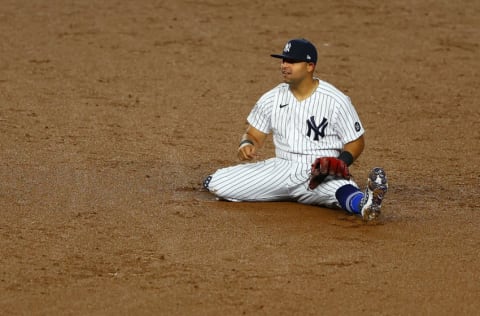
<point>299,49</point>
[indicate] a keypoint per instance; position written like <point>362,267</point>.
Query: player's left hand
<point>327,166</point>
<point>247,152</point>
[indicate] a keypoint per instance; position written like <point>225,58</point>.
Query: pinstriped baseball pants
<point>274,179</point>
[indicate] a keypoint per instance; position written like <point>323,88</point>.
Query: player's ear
<point>310,67</point>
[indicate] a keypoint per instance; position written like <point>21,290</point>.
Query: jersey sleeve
<point>348,124</point>
<point>261,115</point>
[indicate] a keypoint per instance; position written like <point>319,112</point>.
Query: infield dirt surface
<point>112,112</point>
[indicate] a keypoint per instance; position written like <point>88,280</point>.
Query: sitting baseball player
<point>317,135</point>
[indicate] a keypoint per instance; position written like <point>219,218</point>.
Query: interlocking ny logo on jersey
<point>319,130</point>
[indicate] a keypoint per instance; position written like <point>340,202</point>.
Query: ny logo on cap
<point>287,47</point>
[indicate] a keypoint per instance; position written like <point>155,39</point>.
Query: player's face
<point>295,71</point>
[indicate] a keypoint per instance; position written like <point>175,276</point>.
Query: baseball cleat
<point>377,186</point>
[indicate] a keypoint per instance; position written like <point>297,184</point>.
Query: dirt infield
<point>111,113</point>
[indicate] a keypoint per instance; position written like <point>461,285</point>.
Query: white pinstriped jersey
<point>318,126</point>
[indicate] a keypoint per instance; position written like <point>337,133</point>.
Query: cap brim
<point>289,57</point>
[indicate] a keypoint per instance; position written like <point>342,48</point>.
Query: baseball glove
<point>327,166</point>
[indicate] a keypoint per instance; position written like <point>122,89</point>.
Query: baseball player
<point>317,135</point>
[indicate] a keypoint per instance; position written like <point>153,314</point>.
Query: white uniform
<point>318,126</point>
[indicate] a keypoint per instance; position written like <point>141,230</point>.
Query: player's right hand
<point>247,152</point>
<point>330,166</point>
<point>327,166</point>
